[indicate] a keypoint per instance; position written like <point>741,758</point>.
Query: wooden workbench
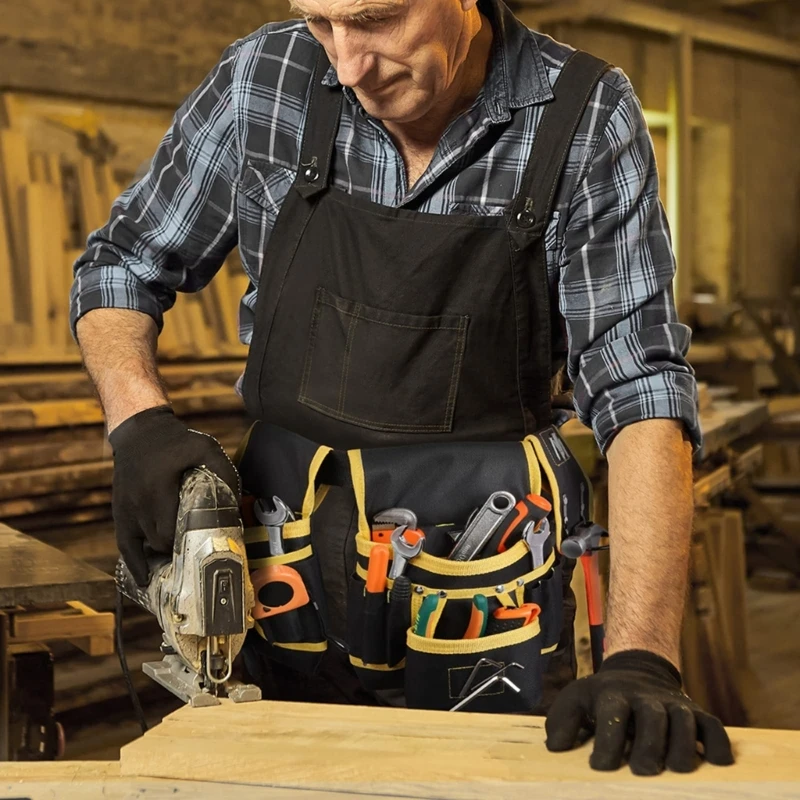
<point>293,750</point>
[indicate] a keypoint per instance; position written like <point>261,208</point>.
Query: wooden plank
<point>228,303</point>
<point>38,247</point>
<point>49,302</point>
<point>684,224</point>
<point>14,176</point>
<point>153,789</point>
<point>91,780</point>
<point>6,267</point>
<point>67,383</point>
<point>787,404</point>
<point>77,622</point>
<point>32,573</point>
<point>711,485</point>
<point>60,478</point>
<point>87,411</point>
<point>647,17</point>
<point>420,753</point>
<point>54,502</point>
<point>728,421</point>
<point>90,205</point>
<point>205,342</point>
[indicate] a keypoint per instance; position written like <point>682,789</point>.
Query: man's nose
<point>353,60</point>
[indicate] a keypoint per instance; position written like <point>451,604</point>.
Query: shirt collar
<point>517,76</point>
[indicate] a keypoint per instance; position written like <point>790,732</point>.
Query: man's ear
<point>468,5</point>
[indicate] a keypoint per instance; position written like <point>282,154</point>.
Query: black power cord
<point>123,662</point>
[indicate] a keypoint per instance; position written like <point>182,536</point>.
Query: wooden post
<point>681,100</point>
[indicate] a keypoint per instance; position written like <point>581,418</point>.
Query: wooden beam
<point>684,219</point>
<point>463,756</point>
<point>659,20</point>
<point>87,411</point>
<point>77,622</point>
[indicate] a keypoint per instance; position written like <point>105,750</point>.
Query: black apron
<point>379,326</point>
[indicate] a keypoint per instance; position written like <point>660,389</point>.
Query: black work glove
<point>152,451</point>
<point>636,695</point>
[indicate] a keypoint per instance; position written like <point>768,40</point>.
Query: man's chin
<point>394,109</point>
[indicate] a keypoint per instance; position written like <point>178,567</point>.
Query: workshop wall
<point>746,160</point>
<point>148,51</point>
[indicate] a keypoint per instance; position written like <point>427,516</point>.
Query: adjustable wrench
<point>274,521</point>
<point>482,526</point>
<point>536,540</point>
<point>404,550</point>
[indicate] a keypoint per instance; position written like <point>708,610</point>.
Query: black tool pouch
<point>443,484</point>
<point>273,462</point>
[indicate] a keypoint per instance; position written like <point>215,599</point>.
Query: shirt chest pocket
<point>262,190</point>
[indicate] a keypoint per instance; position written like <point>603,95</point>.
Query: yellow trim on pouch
<point>297,529</point>
<point>289,558</point>
<point>304,647</point>
<point>554,488</point>
<point>468,594</point>
<point>291,530</point>
<point>357,662</point>
<point>360,491</point>
<point>454,569</point>
<point>534,469</point>
<point>310,500</point>
<point>457,647</point>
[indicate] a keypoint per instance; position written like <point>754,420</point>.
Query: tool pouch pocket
<point>443,672</point>
<point>291,580</point>
<point>443,484</point>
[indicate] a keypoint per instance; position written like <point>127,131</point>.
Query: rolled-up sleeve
<point>627,350</point>
<point>172,230</point>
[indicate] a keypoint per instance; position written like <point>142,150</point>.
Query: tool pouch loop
<point>273,463</point>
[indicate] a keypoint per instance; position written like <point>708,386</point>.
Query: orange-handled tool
<point>510,619</point>
<point>479,618</point>
<point>378,569</point>
<point>283,590</point>
<point>531,507</point>
<point>594,603</point>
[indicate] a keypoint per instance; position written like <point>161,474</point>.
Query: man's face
<point>399,56</point>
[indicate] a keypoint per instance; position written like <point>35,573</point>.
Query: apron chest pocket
<point>409,364</point>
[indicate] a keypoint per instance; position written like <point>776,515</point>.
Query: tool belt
<point>409,632</point>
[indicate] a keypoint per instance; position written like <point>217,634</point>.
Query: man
<point>410,187</point>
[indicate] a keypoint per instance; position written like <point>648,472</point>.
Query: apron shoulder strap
<point>319,138</point>
<point>573,89</point>
<point>530,215</point>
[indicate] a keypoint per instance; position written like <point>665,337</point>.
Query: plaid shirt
<point>608,245</point>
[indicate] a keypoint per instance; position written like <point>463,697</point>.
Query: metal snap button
<point>311,174</point>
<point>526,218</point>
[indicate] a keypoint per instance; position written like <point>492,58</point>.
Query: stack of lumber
<point>62,166</point>
<point>55,461</point>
